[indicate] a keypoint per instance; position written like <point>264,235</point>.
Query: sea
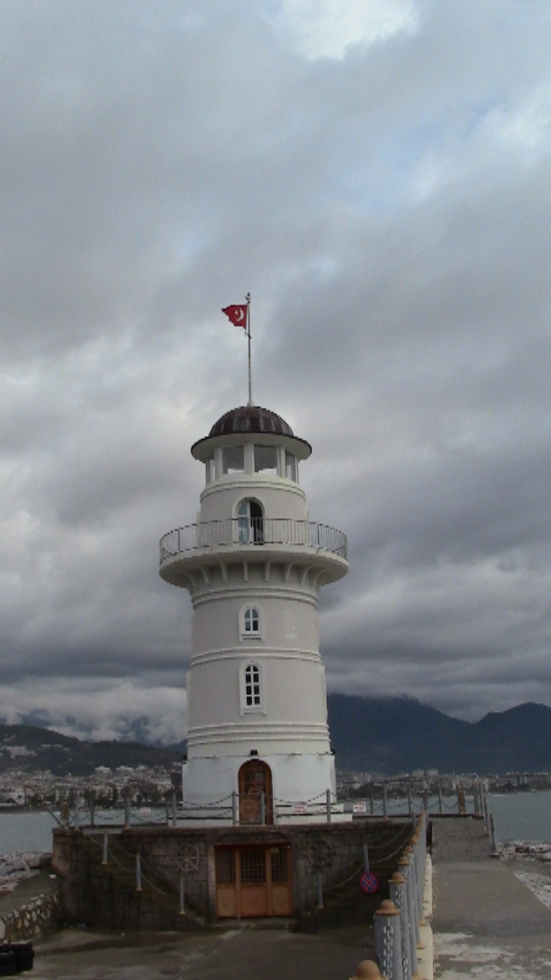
<point>517,816</point>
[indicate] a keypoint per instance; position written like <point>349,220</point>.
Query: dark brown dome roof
<point>250,418</point>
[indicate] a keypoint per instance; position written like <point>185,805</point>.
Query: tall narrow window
<point>290,466</point>
<point>250,523</point>
<point>250,623</point>
<point>251,620</point>
<point>252,687</point>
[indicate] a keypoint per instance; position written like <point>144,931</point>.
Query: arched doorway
<point>255,793</point>
<point>250,522</point>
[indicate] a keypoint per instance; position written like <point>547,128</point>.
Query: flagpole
<point>248,298</point>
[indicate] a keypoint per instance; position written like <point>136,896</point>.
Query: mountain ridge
<point>387,736</point>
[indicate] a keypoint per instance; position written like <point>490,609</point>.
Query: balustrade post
<point>413,891</point>
<point>388,940</point>
<point>328,804</point>
<point>182,909</point>
<point>404,868</point>
<point>397,886</point>
<point>486,813</point>
<point>138,872</point>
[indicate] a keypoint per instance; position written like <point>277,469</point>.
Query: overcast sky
<point>378,174</point>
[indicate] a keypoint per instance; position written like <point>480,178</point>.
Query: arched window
<point>251,688</point>
<point>250,623</point>
<point>250,523</point>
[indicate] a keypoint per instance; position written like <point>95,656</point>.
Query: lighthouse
<point>258,747</point>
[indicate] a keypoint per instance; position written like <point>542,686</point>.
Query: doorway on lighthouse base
<point>256,801</point>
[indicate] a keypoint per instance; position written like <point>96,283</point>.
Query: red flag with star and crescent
<point>237,315</point>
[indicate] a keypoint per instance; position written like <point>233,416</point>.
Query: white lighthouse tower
<point>254,564</point>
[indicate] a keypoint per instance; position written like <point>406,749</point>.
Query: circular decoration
<point>369,883</point>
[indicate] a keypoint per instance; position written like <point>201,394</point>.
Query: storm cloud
<point>378,175</point>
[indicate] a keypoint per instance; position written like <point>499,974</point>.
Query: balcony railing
<point>253,531</point>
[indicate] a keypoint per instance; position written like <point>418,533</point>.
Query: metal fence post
<point>138,872</point>
<point>366,858</point>
<point>234,812</point>
<point>127,811</point>
<point>262,808</point>
<point>320,891</point>
<point>440,804</point>
<point>105,847</point>
<point>174,820</point>
<point>92,811</point>
<point>372,799</point>
<point>388,940</point>
<point>77,812</point>
<point>493,839</point>
<point>182,909</point>
<point>410,802</point>
<point>385,802</point>
<point>328,804</point>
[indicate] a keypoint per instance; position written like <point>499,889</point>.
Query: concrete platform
<point>233,954</point>
<point>487,923</point>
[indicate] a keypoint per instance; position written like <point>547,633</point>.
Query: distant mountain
<point>30,749</point>
<point>392,735</point>
<point>378,735</point>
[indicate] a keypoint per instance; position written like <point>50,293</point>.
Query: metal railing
<point>256,531</point>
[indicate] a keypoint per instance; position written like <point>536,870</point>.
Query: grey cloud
<point>390,213</point>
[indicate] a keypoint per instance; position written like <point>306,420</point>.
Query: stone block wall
<point>39,915</point>
<point>107,896</point>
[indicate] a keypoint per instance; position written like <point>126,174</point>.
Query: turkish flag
<point>237,315</point>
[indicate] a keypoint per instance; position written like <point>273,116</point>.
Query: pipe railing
<point>252,531</point>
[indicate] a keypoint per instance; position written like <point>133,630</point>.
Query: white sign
<point>359,808</point>
<point>300,808</point>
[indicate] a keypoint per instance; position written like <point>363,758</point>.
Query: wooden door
<point>255,780</point>
<point>254,881</point>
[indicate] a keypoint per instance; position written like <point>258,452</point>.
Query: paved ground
<point>487,923</point>
<point>235,954</point>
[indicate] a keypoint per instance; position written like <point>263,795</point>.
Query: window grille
<point>252,620</point>
<point>253,866</point>
<point>252,686</point>
<point>279,864</point>
<point>225,867</point>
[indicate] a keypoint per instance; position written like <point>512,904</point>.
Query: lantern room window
<point>290,466</point>
<point>233,459</point>
<point>265,460</point>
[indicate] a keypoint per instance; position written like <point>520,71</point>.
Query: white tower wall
<point>253,565</point>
